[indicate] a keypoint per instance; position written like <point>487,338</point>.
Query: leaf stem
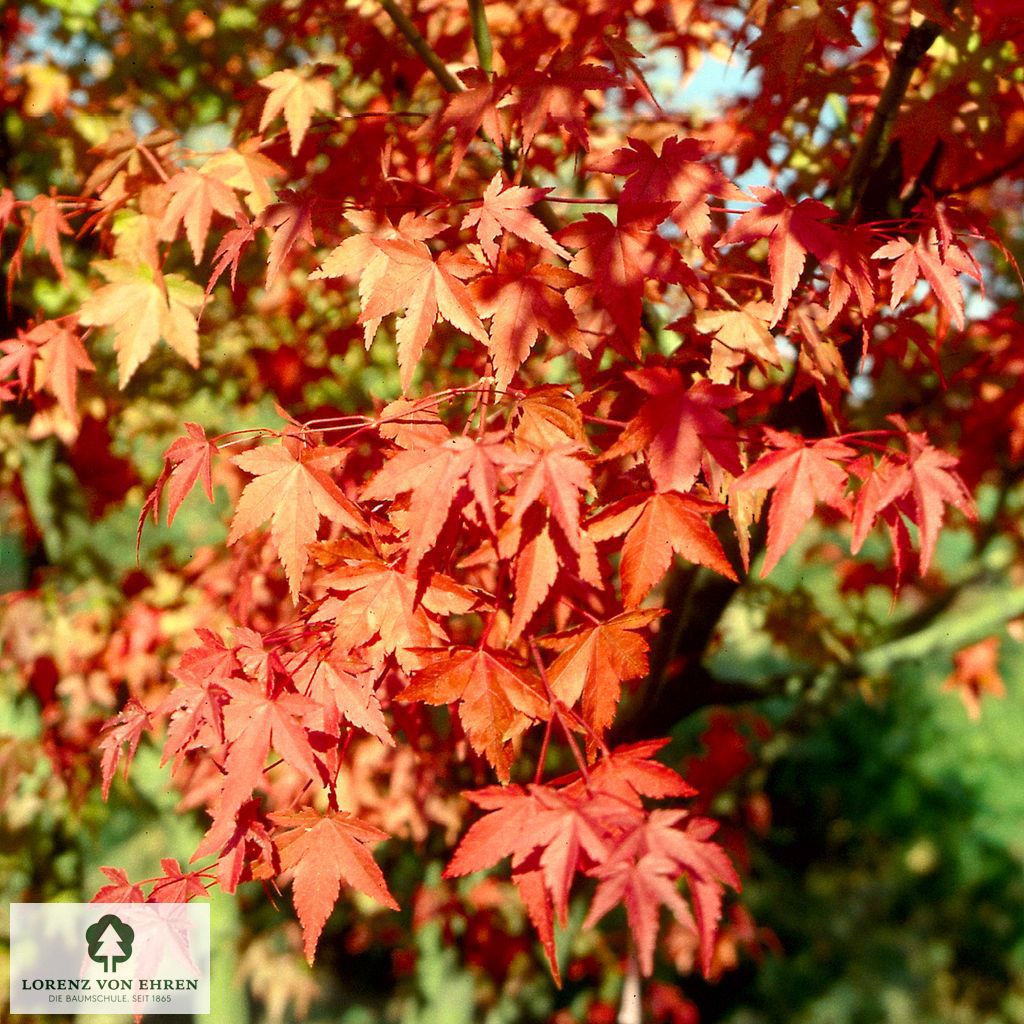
<point>556,707</point>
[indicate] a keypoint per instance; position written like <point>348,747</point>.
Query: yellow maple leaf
<point>141,313</point>
<point>248,170</point>
<point>298,96</point>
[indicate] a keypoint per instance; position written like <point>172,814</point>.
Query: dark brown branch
<point>873,149</point>
<point>988,178</point>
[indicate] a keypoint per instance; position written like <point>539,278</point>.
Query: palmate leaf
<point>293,489</point>
<point>497,700</point>
<point>142,310</point>
<point>427,290</point>
<point>321,852</point>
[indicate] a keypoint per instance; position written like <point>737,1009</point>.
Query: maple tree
<point>511,377</point>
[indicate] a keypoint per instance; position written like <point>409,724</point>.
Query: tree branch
<point>873,149</point>
<point>481,34</point>
<point>697,598</point>
<point>423,49</point>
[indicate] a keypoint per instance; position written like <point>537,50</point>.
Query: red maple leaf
<point>792,230</point>
<point>677,426</point>
<point>940,268</point>
<point>643,869</point>
<point>124,729</point>
<point>381,604</point>
<point>658,526</point>
<point>675,182</point>
<point>523,302</point>
<point>121,890</point>
<point>321,852</point>
<point>801,473</point>
<point>618,259</point>
<point>497,699</point>
<point>595,661</point>
<point>253,722</point>
<point>436,476</point>
<point>293,489</point>
<point>177,886</point>
<point>427,290</point>
<point>926,477</point>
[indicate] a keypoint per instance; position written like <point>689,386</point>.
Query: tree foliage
<point>515,378</point>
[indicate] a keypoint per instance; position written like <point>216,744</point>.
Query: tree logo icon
<point>110,941</point>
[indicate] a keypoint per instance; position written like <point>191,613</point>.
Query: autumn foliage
<point>641,357</point>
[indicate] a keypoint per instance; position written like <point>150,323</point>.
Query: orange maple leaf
<point>292,488</point>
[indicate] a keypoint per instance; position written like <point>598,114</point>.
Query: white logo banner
<point>110,958</point>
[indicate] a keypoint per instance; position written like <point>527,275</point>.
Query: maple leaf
<point>289,222</point>
<point>924,258</point>
<point>19,357</point>
<point>292,487</point>
<point>739,334</point>
<point>237,841</point>
<point>555,94</point>
<point>550,836</point>
<point>523,302</point>
<point>642,870</point>
<point>195,195</point>
<point>536,572</point>
<point>122,890</point>
<point>677,426</point>
<point>556,477</point>
<point>623,55</point>
<point>46,226</point>
<point>359,257</point>
<point>618,259</point>
<point>380,601</point>
<point>321,852</point>
<point>472,110</point>
<point>298,96</point>
<point>675,182</point>
<point>124,729</point>
<point>628,773</point>
<point>427,291</point>
<point>927,477</point>
<point>229,252</point>
<point>976,674</point>
<point>175,885</point>
<point>195,705</point>
<point>506,209</point>
<point>57,355</point>
<point>658,526</point>
<point>801,474</point>
<point>248,170</point>
<point>436,477</point>
<point>547,417</point>
<point>344,690</point>
<point>253,722</point>
<point>141,310</point>
<point>497,700</point>
<point>594,663</point>
<point>187,460</point>
<point>61,358</point>
<point>792,230</point>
